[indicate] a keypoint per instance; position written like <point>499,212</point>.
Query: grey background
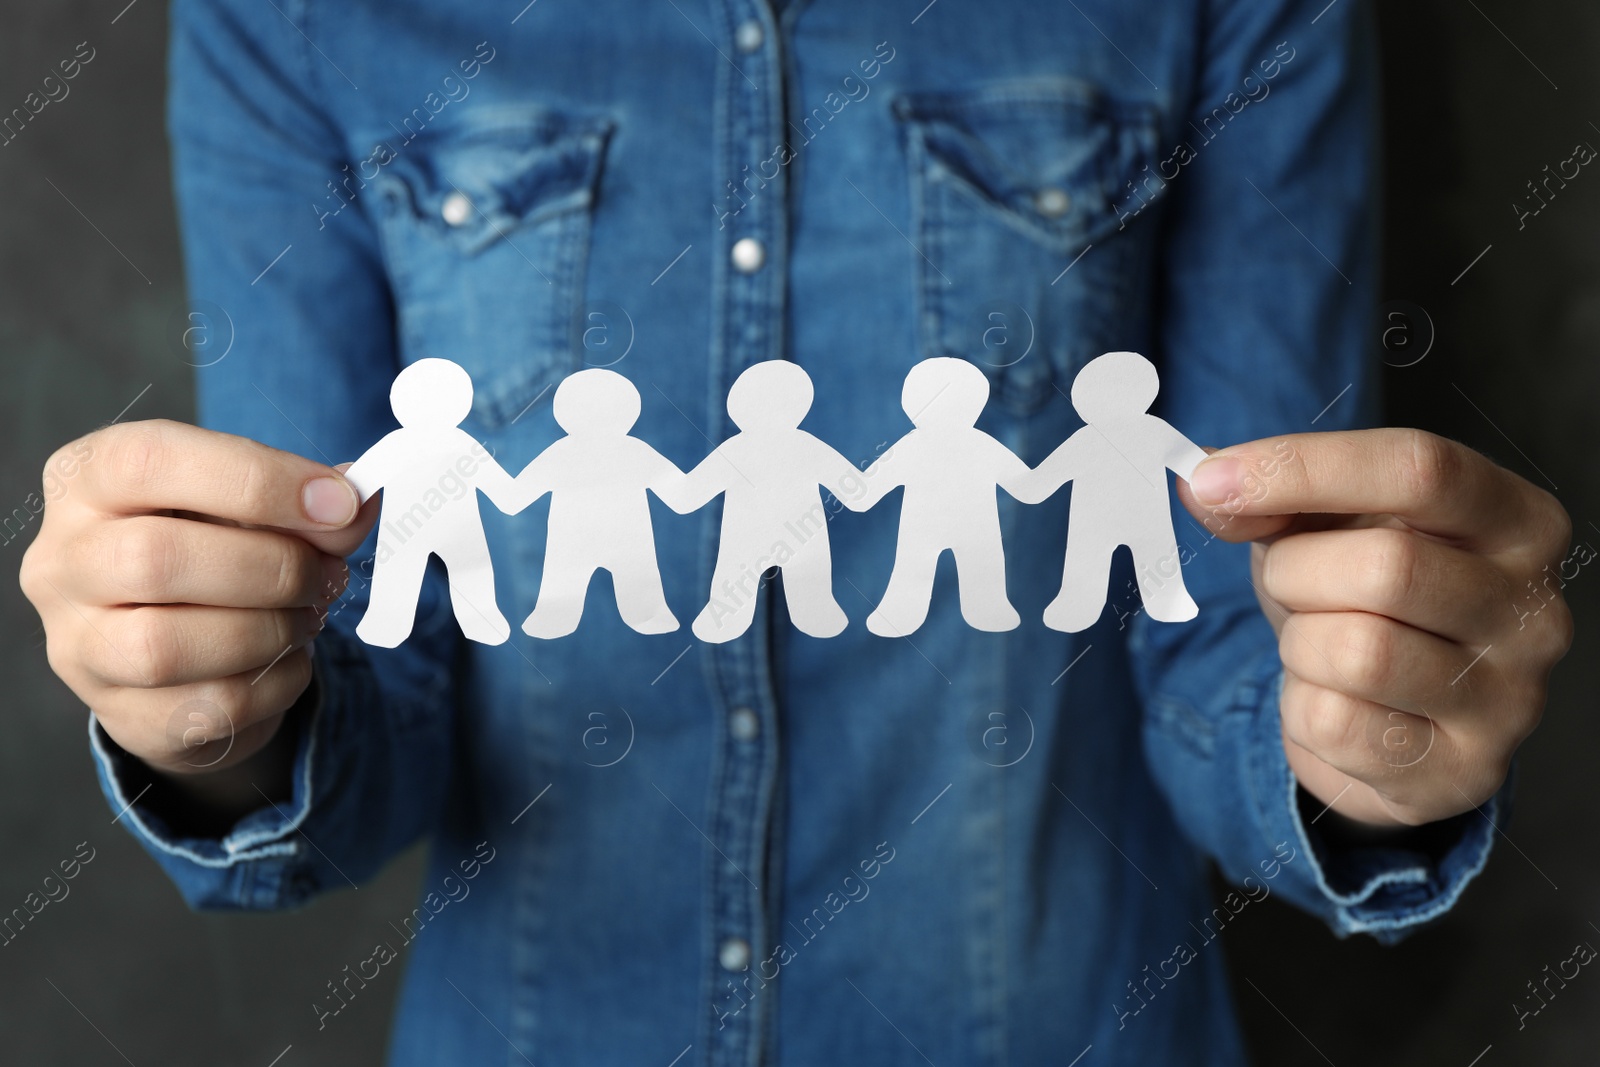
<point>120,970</point>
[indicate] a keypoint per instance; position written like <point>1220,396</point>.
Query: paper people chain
<point>769,475</point>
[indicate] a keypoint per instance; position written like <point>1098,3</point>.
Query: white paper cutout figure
<point>949,469</point>
<point>1118,466</point>
<point>597,476</point>
<point>772,513</point>
<point>430,471</point>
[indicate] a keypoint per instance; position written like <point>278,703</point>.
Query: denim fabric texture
<point>957,847</point>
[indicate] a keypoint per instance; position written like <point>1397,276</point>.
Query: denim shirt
<point>955,847</point>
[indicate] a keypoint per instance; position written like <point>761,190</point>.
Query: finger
<point>153,559</point>
<point>1433,484</point>
<point>1387,662</point>
<point>1226,520</point>
<point>157,465</point>
<point>1392,572</point>
<point>207,725</point>
<point>342,542</point>
<point>181,644</point>
<point>1401,756</point>
<point>1362,738</point>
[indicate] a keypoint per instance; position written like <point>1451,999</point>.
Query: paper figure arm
<point>836,474</point>
<point>883,476</point>
<point>369,473</point>
<point>503,491</point>
<point>1016,478</point>
<point>684,493</point>
<point>1058,468</point>
<point>671,485</point>
<point>1178,452</point>
<point>531,483</point>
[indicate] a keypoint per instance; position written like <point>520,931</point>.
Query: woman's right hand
<point>180,575</point>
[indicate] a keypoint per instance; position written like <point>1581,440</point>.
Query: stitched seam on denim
<point>146,833</point>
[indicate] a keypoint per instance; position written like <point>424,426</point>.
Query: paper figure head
<point>773,395</point>
<point>431,393</point>
<point>596,401</point>
<point>943,391</point>
<point>1115,385</point>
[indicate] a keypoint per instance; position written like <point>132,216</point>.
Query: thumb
<point>1223,520</point>
<point>346,539</point>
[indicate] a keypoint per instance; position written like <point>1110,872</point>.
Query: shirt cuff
<point>1386,889</point>
<point>253,865</point>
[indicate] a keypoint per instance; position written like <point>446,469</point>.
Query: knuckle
<point>253,488</point>
<point>144,557</point>
<point>284,628</point>
<point>151,648</point>
<point>1485,771</point>
<point>258,695</point>
<point>64,657</point>
<point>1546,627</point>
<point>30,574</point>
<point>1277,573</point>
<point>291,572</point>
<point>1525,721</point>
<point>1363,652</point>
<point>1326,722</point>
<point>1296,650</point>
<point>135,453</point>
<point>61,458</point>
<point>1555,526</point>
<point>1389,570</point>
<point>198,723</point>
<point>230,698</point>
<point>297,673</point>
<point>1429,465</point>
<point>1559,626</point>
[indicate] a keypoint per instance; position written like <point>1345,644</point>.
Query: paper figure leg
<point>1155,562</point>
<point>641,601</point>
<point>392,607</point>
<point>905,603</point>
<point>981,572</point>
<point>1084,577</point>
<point>472,592</point>
<point>808,588</point>
<point>731,608</point>
<point>559,608</point>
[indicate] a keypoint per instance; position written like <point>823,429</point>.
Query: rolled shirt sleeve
<point>364,785</point>
<point>310,349</point>
<point>1267,328</point>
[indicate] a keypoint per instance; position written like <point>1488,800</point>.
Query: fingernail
<point>330,501</point>
<point>1215,480</point>
<point>335,573</point>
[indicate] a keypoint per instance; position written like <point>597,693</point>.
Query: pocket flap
<point>1051,155</point>
<point>513,169</point>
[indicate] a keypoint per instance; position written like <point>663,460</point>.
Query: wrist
<point>207,803</point>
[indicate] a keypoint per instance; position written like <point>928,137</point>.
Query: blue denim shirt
<point>959,847</point>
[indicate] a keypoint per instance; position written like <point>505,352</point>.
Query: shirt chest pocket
<point>1016,190</point>
<point>485,227</point>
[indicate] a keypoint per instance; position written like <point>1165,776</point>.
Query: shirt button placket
<point>750,284</point>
